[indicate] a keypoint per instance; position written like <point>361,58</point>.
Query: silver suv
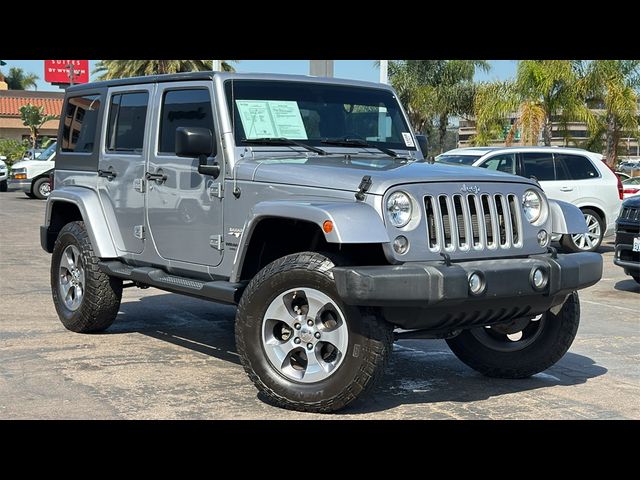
<point>307,203</point>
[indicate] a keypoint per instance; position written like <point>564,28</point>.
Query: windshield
<point>46,154</point>
<point>457,159</point>
<point>313,113</point>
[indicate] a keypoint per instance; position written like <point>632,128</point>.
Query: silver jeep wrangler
<point>308,204</point>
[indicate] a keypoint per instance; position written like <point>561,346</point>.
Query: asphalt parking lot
<point>173,357</point>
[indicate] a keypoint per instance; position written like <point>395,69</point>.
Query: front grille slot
<point>630,213</point>
<point>464,222</point>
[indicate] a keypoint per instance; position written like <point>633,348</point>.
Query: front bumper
<point>626,258</point>
<point>24,185</point>
<point>432,295</point>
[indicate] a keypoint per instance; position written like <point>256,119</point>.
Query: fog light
<point>476,283</point>
<point>401,245</point>
<point>543,238</point>
<point>538,278</point>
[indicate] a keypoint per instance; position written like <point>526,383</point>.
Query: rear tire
<point>349,346</point>
<point>493,354</point>
<point>574,243</point>
<point>86,299</point>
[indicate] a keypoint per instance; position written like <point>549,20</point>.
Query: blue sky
<point>353,69</point>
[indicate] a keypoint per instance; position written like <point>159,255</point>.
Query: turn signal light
<point>20,176</point>
<point>327,226</point>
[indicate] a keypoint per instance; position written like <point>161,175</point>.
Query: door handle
<point>156,177</point>
<point>566,189</point>
<point>108,174</point>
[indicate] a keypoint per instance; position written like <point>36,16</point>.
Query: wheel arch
<point>284,227</point>
<point>77,204</point>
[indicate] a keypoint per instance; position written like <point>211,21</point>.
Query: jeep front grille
<point>463,222</point>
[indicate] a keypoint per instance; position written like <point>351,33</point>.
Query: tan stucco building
<point>10,102</point>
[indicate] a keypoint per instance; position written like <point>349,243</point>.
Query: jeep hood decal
<point>333,173</point>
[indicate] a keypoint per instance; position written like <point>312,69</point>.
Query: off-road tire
<point>369,346</point>
<point>102,293</point>
<point>567,240</point>
<point>553,342</point>
<point>35,189</point>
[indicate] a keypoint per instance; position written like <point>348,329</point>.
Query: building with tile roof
<point>10,102</point>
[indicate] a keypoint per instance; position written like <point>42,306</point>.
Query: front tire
<point>301,346</point>
<point>587,242</point>
<point>41,188</point>
<point>521,348</point>
<point>86,299</point>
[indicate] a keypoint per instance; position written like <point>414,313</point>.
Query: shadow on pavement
<point>420,371</point>
<point>629,285</point>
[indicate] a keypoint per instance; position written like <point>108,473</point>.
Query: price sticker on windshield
<point>636,244</point>
<point>408,139</point>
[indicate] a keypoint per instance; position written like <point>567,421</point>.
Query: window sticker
<point>271,119</point>
<point>408,139</point>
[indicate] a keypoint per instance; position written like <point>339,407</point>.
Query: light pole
<point>384,71</point>
<point>72,74</point>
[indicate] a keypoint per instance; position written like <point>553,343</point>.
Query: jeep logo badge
<point>470,188</point>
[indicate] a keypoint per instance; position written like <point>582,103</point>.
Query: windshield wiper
<point>283,141</point>
<point>358,142</point>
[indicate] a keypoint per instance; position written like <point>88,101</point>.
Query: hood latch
<point>364,186</point>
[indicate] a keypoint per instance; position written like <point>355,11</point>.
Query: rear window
<point>79,123</point>
<point>575,167</point>
<point>538,165</point>
<point>127,117</point>
<point>457,159</point>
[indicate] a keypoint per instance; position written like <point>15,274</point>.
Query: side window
<point>79,123</point>
<point>576,166</point>
<point>183,108</point>
<point>538,165</point>
<point>502,163</point>
<point>127,118</point>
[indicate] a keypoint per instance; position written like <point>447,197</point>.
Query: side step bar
<point>218,290</point>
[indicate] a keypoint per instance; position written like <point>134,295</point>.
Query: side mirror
<point>198,143</point>
<point>423,144</point>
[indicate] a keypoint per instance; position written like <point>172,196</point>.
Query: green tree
<point>542,91</point>
<point>612,87</point>
<point>110,69</point>
<point>34,118</point>
<point>14,150</point>
<point>18,80</point>
<point>433,91</point>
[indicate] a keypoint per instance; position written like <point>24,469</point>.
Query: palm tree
<point>433,91</point>
<point>110,69</point>
<point>18,80</point>
<point>542,91</point>
<point>613,86</point>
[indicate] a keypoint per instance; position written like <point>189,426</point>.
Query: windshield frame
<point>228,92</point>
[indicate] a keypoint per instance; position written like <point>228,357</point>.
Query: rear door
<point>122,163</point>
<point>577,175</point>
<point>184,210</point>
<point>539,165</point>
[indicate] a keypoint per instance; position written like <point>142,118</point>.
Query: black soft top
<point>174,77</point>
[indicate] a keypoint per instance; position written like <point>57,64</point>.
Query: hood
<point>632,202</point>
<point>332,172</point>
<point>26,164</point>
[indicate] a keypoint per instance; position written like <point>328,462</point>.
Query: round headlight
<point>399,209</point>
<point>532,205</point>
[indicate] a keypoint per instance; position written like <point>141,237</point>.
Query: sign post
<point>66,72</point>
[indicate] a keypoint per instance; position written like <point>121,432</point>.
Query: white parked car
<point>569,174</point>
<point>4,174</point>
<point>32,176</point>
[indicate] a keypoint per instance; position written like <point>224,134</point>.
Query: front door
<point>183,207</point>
<point>122,162</point>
